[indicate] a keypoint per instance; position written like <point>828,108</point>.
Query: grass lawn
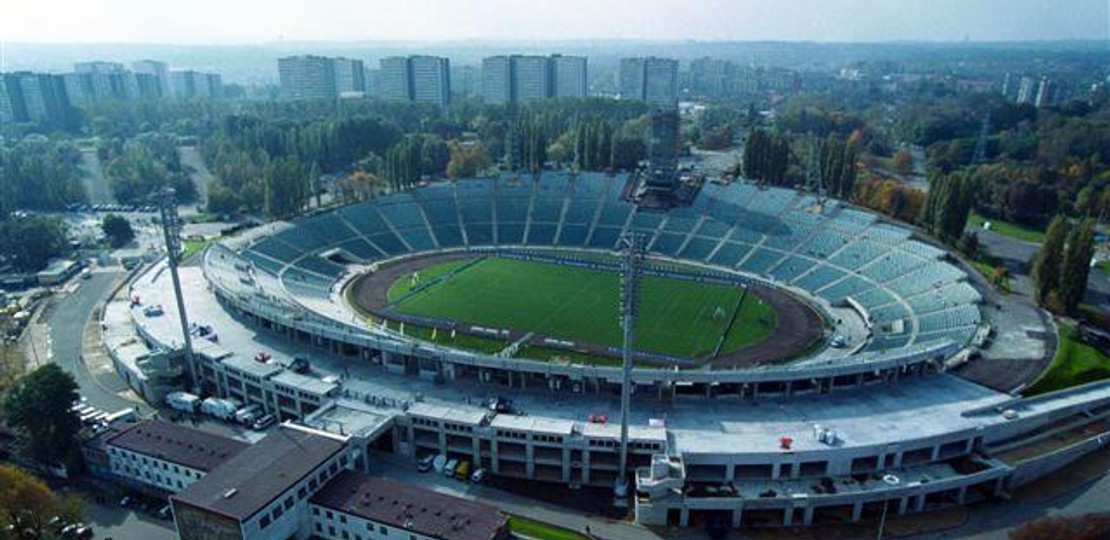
<point>542,531</point>
<point>1075,363</point>
<point>191,247</point>
<point>402,286</point>
<point>1019,232</point>
<point>1103,265</point>
<point>460,341</point>
<point>677,317</point>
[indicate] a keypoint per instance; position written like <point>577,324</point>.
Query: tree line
<point>1063,264</point>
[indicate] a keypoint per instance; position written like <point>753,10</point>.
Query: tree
<point>903,162</point>
<point>467,159</point>
<point>25,502</point>
<point>29,242</point>
<point>1048,261</point>
<point>948,205</point>
<point>40,406</point>
<point>118,229</point>
<point>1076,266</point>
<point>1088,527</point>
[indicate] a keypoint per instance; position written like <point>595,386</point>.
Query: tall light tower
<point>171,232</point>
<point>631,271</point>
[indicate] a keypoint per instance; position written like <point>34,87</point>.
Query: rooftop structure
<point>261,473</point>
<point>193,448</point>
<point>410,509</point>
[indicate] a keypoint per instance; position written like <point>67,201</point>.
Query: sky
<point>267,21</point>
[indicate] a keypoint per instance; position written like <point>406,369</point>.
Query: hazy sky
<point>252,21</point>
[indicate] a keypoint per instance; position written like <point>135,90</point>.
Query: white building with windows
<point>167,457</point>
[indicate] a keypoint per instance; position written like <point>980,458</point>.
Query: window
<point>331,530</point>
<point>342,518</point>
<point>319,528</point>
<point>276,513</point>
<point>176,469</point>
<point>289,502</point>
<point>382,530</point>
<point>264,522</point>
<point>345,536</point>
<point>330,515</point>
<point>301,492</point>
<point>315,511</point>
<point>334,468</point>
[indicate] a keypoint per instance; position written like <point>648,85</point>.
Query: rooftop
<point>411,508</point>
<point>178,444</point>
<point>262,472</point>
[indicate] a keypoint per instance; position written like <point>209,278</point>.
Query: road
<point>117,523</point>
<point>66,320</point>
<point>96,186</point>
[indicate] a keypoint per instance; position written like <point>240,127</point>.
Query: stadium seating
<point>825,247</point>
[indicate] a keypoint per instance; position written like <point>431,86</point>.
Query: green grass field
<point>1075,363</point>
<point>676,317</point>
<point>542,531</point>
<point>1013,230</point>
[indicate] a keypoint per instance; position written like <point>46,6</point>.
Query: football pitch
<point>676,317</point>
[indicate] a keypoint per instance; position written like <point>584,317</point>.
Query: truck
<point>224,409</point>
<point>183,401</point>
<point>247,415</point>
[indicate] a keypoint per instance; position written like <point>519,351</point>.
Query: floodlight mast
<point>631,272</point>
<point>171,233</point>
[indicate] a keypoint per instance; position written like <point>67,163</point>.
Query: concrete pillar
<point>961,495</point>
<point>495,463</point>
<point>776,471</point>
<point>737,516</point>
<point>920,503</point>
<point>788,517</point>
<point>857,511</point>
<point>529,460</point>
<point>730,472</point>
<point>684,517</point>
<point>902,504</point>
<point>808,516</point>
<point>789,388</point>
<point>566,465</point>
<point>936,453</point>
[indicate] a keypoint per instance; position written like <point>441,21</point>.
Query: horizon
<point>210,22</point>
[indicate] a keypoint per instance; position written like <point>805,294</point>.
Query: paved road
<point>67,320</point>
<point>125,524</point>
<point>96,186</point>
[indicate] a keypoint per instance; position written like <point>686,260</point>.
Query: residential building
<point>306,77</point>
<point>354,506</point>
<point>651,80</point>
<point>106,81</point>
<point>531,78</point>
<point>419,79</point>
<point>190,84</point>
<point>161,76</point>
<point>570,76</point>
<point>431,79</point>
<point>520,78</point>
<point>497,79</point>
<point>1046,93</point>
<point>1027,91</point>
<point>350,76</point>
<point>39,98</point>
<point>163,457</point>
<point>393,82</point>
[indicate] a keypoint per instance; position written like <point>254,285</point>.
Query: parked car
<point>425,463</point>
<point>462,471</point>
<point>478,476</point>
<point>264,422</point>
<point>449,468</point>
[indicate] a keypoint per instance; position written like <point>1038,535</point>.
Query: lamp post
<point>891,481</point>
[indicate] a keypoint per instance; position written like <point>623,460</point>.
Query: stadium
<point>790,361</point>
